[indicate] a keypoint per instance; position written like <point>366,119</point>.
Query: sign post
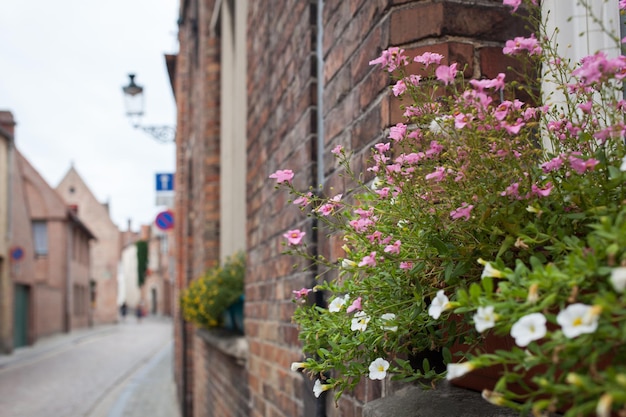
<point>164,183</point>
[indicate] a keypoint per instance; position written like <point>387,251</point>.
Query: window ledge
<point>445,401</point>
<point>227,342</point>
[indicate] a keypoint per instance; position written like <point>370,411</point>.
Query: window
<point>40,237</point>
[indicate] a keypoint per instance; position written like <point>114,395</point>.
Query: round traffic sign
<point>17,253</point>
<point>165,220</point>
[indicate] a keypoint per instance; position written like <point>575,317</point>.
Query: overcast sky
<point>63,64</point>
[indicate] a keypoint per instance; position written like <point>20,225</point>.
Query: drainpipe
<point>320,403</point>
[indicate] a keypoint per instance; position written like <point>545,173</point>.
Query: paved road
<point>122,370</point>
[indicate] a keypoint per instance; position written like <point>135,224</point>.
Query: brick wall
<point>281,135</point>
<point>197,172</point>
<point>218,360</point>
<point>356,110</point>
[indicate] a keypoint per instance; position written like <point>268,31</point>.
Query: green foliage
<point>207,297</point>
<point>142,261</point>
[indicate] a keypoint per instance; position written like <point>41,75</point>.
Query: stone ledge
<point>445,401</point>
<point>227,342</point>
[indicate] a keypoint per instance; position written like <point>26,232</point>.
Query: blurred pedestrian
<point>139,311</point>
<point>123,310</point>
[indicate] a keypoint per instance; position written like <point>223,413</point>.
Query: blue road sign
<point>17,253</point>
<point>164,220</point>
<point>164,182</point>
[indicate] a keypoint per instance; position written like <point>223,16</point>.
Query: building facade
<point>105,249</point>
<point>52,288</point>
<point>308,88</point>
<point>6,161</point>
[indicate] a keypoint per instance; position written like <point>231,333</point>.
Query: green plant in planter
<point>208,297</point>
<point>487,215</point>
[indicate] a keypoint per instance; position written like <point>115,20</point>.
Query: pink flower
<point>513,3</point>
<point>580,165</point>
<point>521,44</point>
<point>337,150</point>
<point>364,213</point>
<point>586,107</point>
<point>303,200</point>
<point>283,175</point>
<point>390,59</point>
<point>399,88</point>
<point>397,132</point>
<point>542,192</point>
<point>502,110</point>
<point>369,260</point>
<point>438,175</point>
<point>394,248</point>
<point>512,190</point>
<point>361,224</point>
<point>497,83</point>
<point>428,58</point>
<point>356,305</point>
<point>406,265</point>
<point>462,212</point>
<point>435,149</point>
<point>382,147</point>
<point>514,128</point>
<point>383,192</point>
<point>552,165</point>
<point>461,120</point>
<point>301,293</point>
<point>446,73</point>
<point>414,79</point>
<point>294,237</point>
<point>326,209</point>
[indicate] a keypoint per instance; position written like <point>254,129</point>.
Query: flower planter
<point>233,316</point>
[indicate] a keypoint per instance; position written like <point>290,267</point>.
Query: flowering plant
<point>204,301</point>
<point>487,215</point>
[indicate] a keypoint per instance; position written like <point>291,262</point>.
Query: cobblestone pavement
<point>122,370</point>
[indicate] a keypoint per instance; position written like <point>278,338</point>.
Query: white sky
<point>63,64</point>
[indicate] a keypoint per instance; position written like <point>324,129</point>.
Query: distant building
<point>51,283</point>
<point>45,284</point>
<point>6,158</point>
<point>156,291</point>
<point>105,250</point>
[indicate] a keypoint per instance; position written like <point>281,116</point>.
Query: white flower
<point>440,304</point>
<point>337,304</point>
<point>318,388</point>
<point>529,328</point>
<point>533,293</point>
<point>438,126</point>
<point>377,183</point>
<point>489,270</point>
<point>623,166</point>
<point>457,370</point>
<point>578,319</point>
<point>359,322</point>
<point>618,278</point>
<point>348,264</point>
<point>493,397</point>
<point>603,408</point>
<point>296,366</point>
<point>378,369</point>
<point>388,318</point>
<point>484,318</point>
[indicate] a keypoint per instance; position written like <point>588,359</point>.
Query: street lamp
<point>134,102</point>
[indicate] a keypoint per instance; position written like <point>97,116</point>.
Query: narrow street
<point>106,371</point>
